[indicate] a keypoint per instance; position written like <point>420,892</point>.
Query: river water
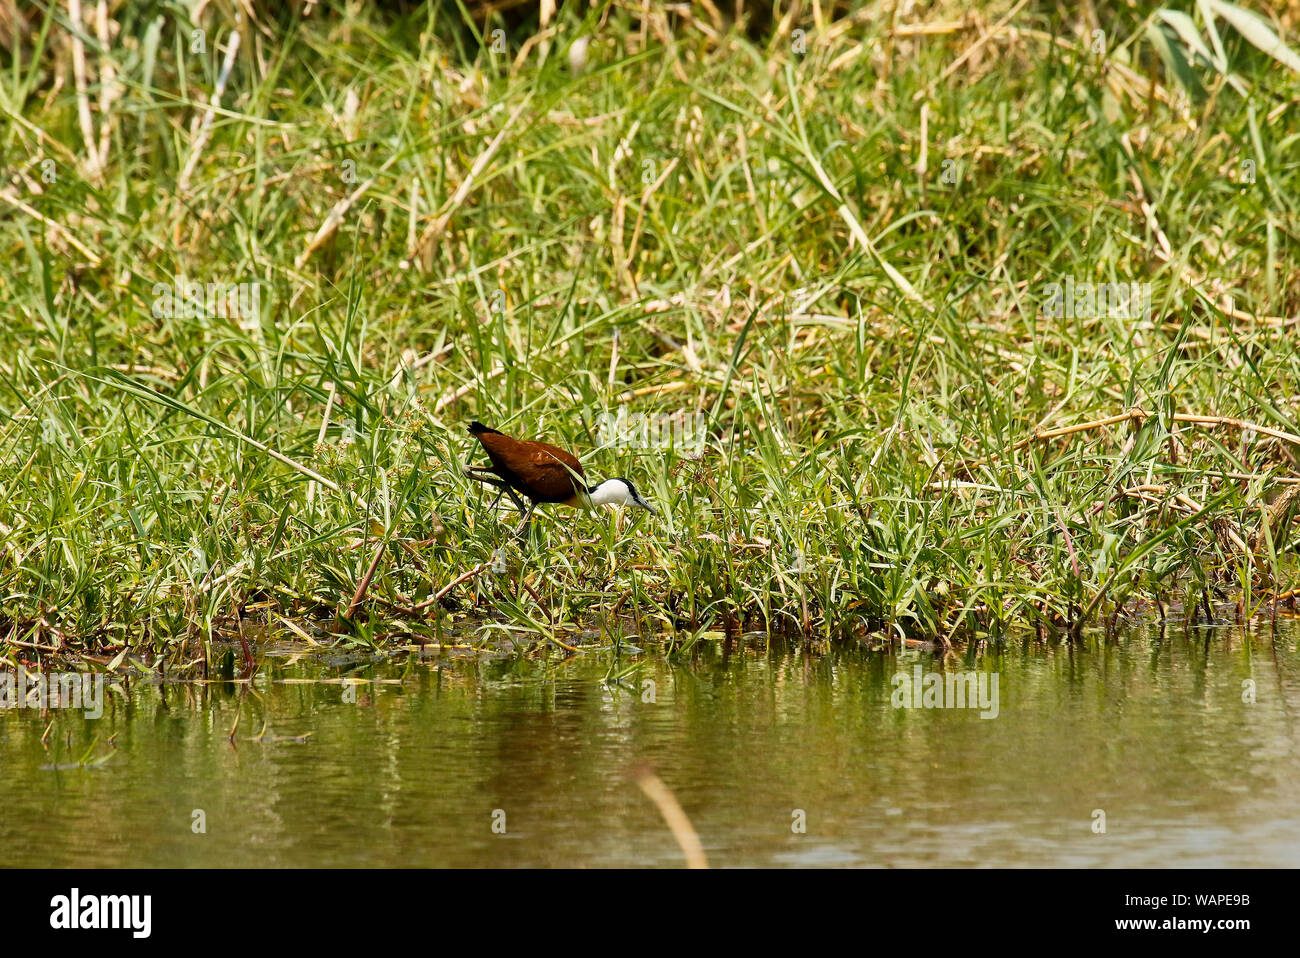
<point>1159,747</point>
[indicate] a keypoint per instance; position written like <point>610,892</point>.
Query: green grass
<point>678,228</point>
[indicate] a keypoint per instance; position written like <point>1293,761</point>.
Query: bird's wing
<point>543,454</point>
<point>538,469</point>
<point>545,469</point>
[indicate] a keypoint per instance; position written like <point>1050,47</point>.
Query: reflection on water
<point>1150,729</point>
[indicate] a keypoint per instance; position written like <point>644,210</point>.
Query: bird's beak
<point>646,506</point>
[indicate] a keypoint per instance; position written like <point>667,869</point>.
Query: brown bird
<point>541,472</point>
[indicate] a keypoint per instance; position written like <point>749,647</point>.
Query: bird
<point>540,472</point>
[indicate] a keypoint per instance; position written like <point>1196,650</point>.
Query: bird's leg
<point>476,473</point>
<point>487,475</point>
<point>506,490</point>
<point>520,533</point>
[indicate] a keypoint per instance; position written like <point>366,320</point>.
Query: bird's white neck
<point>611,492</point>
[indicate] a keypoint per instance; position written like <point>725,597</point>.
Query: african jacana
<point>541,472</point>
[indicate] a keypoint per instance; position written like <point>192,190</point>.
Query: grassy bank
<point>831,246</point>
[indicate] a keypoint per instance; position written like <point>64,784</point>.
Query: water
<point>1151,729</point>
